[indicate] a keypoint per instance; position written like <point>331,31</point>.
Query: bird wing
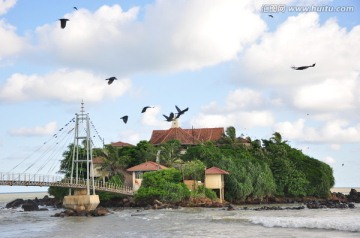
<point>124,118</point>
<point>167,118</point>
<point>144,109</point>
<point>177,108</point>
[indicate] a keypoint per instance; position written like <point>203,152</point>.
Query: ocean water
<point>183,222</point>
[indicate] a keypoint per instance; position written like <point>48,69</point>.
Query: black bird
<point>63,22</point>
<point>75,8</point>
<point>145,108</point>
<point>180,112</point>
<point>271,16</point>
<point>111,80</point>
<point>124,118</point>
<point>170,117</point>
<point>342,164</point>
<point>302,67</point>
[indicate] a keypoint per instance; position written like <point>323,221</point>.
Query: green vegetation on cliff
<point>258,169</point>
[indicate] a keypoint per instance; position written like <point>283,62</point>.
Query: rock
<point>354,196</point>
<point>14,204</point>
<point>30,205</point>
<point>230,207</point>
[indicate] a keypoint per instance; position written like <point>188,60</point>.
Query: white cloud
<point>151,118</point>
<point>5,5</point>
<point>243,119</point>
<point>328,160</point>
<point>115,40</point>
<point>47,129</point>
<point>11,44</point>
<point>245,108</point>
<point>302,40</point>
<point>329,95</point>
<point>244,98</point>
<point>332,132</point>
<point>62,85</point>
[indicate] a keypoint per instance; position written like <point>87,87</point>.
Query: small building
<point>121,144</point>
<point>139,170</point>
<point>214,179</point>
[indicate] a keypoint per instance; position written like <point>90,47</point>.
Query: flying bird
<point>124,118</point>
<point>75,8</point>
<point>111,80</point>
<point>180,112</point>
<point>302,67</point>
<point>145,108</point>
<point>170,117</point>
<point>271,16</point>
<point>63,22</point>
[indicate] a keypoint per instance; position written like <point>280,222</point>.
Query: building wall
<point>213,181</point>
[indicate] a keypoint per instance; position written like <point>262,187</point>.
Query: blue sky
<point>228,61</point>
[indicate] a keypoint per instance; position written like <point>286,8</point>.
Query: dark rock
<point>100,211</point>
<point>30,205</point>
<point>230,207</point>
<point>14,204</point>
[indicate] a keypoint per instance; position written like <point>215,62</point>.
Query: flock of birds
<point>169,118</point>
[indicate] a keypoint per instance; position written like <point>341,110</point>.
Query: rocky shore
<point>336,200</point>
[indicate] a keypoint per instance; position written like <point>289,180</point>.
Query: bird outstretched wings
<point>302,67</point>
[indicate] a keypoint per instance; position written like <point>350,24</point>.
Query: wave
<point>343,224</point>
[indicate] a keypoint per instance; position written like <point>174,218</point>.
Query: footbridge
<point>25,179</point>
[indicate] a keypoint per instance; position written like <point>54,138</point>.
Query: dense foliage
<point>257,169</point>
<point>165,185</point>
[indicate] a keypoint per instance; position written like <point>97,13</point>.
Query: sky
<point>227,60</point>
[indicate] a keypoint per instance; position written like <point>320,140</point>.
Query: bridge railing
<point>23,179</point>
<point>29,177</point>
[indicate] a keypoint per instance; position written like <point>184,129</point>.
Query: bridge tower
<point>82,199</point>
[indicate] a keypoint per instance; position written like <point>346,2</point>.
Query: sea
<point>183,222</point>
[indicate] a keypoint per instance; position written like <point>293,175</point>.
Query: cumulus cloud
<point>11,43</point>
<point>245,108</point>
<point>151,118</point>
<point>163,39</point>
<point>329,95</point>
<point>302,40</point>
<point>332,132</point>
<point>5,5</point>
<point>47,129</point>
<point>62,85</point>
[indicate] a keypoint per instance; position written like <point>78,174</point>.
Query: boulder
<point>30,205</point>
<point>14,204</point>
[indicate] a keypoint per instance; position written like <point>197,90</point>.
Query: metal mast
<point>86,139</point>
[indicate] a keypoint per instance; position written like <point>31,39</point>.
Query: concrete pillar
<point>80,201</point>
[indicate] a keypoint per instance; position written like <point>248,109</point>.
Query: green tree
<point>170,153</point>
<point>165,185</point>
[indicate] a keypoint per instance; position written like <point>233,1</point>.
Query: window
<point>139,174</point>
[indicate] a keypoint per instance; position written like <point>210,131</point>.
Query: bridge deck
<point>17,179</point>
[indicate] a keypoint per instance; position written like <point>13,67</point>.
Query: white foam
<point>344,224</point>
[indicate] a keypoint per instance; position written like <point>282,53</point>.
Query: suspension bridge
<point>23,179</point>
<point>71,148</point>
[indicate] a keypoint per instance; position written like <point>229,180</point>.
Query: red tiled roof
<point>186,136</point>
<point>147,166</point>
<point>215,170</point>
<point>98,160</point>
<point>121,144</point>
